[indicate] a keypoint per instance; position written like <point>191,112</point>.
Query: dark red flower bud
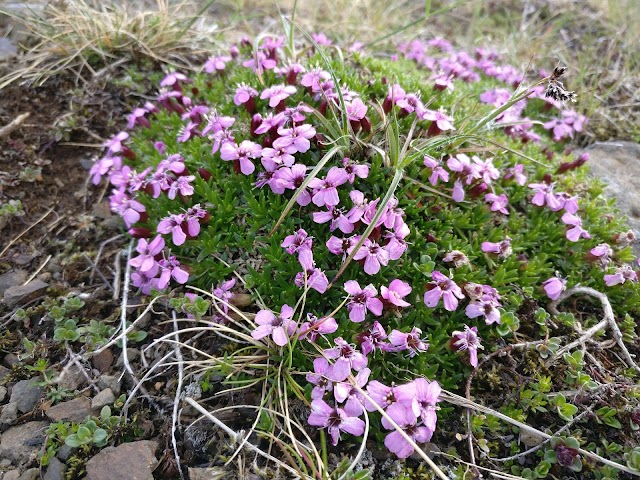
<point>205,174</point>
<point>128,153</point>
<point>140,232</point>
<point>366,125</point>
<point>548,179</point>
<point>478,190</point>
<point>256,121</point>
<point>433,130</point>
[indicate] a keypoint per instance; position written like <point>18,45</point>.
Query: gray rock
<point>109,381</point>
<point>11,359</point>
<point>31,474</point>
<point>8,49</point>
<point>618,164</point>
<point>21,294</point>
<point>105,397</point>
<point>73,378</point>
<point>55,470</point>
<point>26,394</point>
<point>8,415</point>
<point>5,463</point>
<point>132,354</point>
<point>21,443</point>
<point>3,393</point>
<point>65,452</point>
<point>11,475</point>
<point>12,279</point>
<point>129,461</point>
<point>4,371</point>
<point>75,410</point>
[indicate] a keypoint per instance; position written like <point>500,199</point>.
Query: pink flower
<point>346,358</point>
<point>354,170</point>
<point>437,171</point>
<point>334,420</point>
<point>341,246</point>
<point>554,287</point>
<point>320,378</point>
<point>574,234</point>
<point>344,391</point>
<point>277,94</point>
<point>458,191</point>
<point>356,110</point>
<point>293,178</point>
<point>374,256</point>
<point>170,268</point>
<point>373,339</point>
<point>502,248</point>
<point>182,186</point>
<point>312,278</point>
<point>174,79</point>
<point>441,119</point>
<point>484,306</point>
<point>260,63</point>
<point>321,39</point>
<point>544,194</point>
<point>603,253</point>
<point>223,294</point>
<point>406,420</point>
<point>314,77</point>
<point>173,224</point>
<point>408,341</point>
<point>243,94</point>
<point>315,326</point>
<point>280,328</point>
<point>498,202</point>
<point>295,139</point>
<point>468,340</point>
<point>422,395</point>
<point>516,173</point>
<point>114,144</point>
<point>105,166</point>
<point>621,275</point>
<point>337,218</point>
<point>243,152</point>
<point>397,244</point>
<point>301,243</point>
<point>325,191</point>
<point>443,287</point>
<point>396,292</point>
<point>217,64</point>
<point>382,395</point>
<point>362,300</point>
<point>146,262</point>
<point>456,257</point>
<point>129,209</point>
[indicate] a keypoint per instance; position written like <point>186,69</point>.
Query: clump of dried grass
<point>84,36</point>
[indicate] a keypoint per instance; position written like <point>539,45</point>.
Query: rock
<point>3,393</point>
<point>103,360</point>
<point>109,381</point>
<point>65,452</point>
<point>129,461</point>
<point>11,359</point>
<point>75,410</point>
<point>55,470</point>
<point>5,463</point>
<point>21,443</point>
<point>105,397</point>
<point>132,354</point>
<point>8,415</point>
<point>26,394</point>
<point>618,164</point>
<point>31,474</point>
<point>12,279</point>
<point>8,49</point>
<point>72,378</point>
<point>4,371</point>
<point>11,475</point>
<point>20,294</point>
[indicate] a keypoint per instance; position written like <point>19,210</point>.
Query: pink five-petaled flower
<point>325,190</point>
<point>170,268</point>
<point>396,292</point>
<point>621,275</point>
<point>354,169</point>
<point>320,378</point>
<point>437,171</point>
<point>574,233</point>
<point>423,396</point>
<point>516,173</point>
<point>397,244</point>
<point>295,139</point>
<point>439,118</point>
<point>356,110</point>
<point>243,152</point>
<point>501,248</point>
<point>335,420</point>
<point>362,300</point>
<point>129,209</point>
<point>411,341</point>
<point>603,253</point>
<point>554,287</point>
<point>277,94</point>
<point>344,391</point>
<point>217,64</point>
<point>485,306</point>
<point>173,224</point>
<point>374,256</point>
<point>384,396</point>
<point>498,202</point>
<point>443,287</point>
<point>337,218</point>
<point>244,94</point>
<point>407,421</point>
<point>468,340</point>
<point>280,328</point>
<point>373,339</point>
<point>301,243</point>
<point>315,326</point>
<point>146,262</point>
<point>346,358</point>
<point>182,186</point>
<point>544,194</point>
<point>312,278</point>
<point>223,294</point>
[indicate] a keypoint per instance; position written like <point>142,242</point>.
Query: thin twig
<point>176,400</point>
<point>14,240</point>
<point>35,274</point>
<point>7,129</point>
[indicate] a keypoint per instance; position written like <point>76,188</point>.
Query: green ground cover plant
<point>362,234</point>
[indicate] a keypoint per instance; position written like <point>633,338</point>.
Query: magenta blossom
<point>243,153</point>
<point>295,139</point>
<point>576,232</point>
<point>354,169</point>
<point>498,202</point>
<point>312,278</point>
<point>383,396</point>
<point>344,391</point>
<point>468,340</point>
<point>437,171</point>
<point>411,341</point>
<point>423,396</point>
<point>320,378</point>
<point>335,420</point>
<point>396,292</point>
<point>280,328</point>
<point>374,256</point>
<point>170,268</point>
<point>439,118</point>
<point>216,64</point>
<point>554,287</point>
<point>362,300</point>
<point>146,262</point>
<point>443,287</point>
<point>315,326</point>
<point>346,358</point>
<point>105,166</point>
<point>373,339</point>
<point>621,275</point>
<point>277,94</point>
<point>173,224</point>
<point>337,218</point>
<point>501,248</point>
<point>485,306</point>
<point>516,173</point>
<point>129,209</point>
<point>325,191</point>
<point>223,294</point>
<point>544,195</point>
<point>301,243</point>
<point>397,244</point>
<point>244,94</point>
<point>603,253</point>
